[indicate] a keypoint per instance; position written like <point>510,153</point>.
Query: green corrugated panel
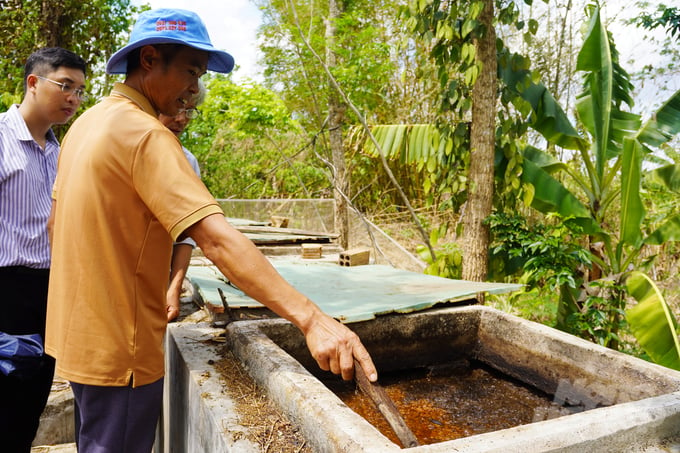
<point>352,294</point>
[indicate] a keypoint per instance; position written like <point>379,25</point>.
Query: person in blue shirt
<point>182,250</point>
<point>54,84</point>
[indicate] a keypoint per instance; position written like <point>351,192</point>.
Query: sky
<point>231,24</point>
<point>636,53</point>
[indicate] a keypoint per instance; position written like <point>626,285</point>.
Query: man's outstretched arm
<point>332,344</point>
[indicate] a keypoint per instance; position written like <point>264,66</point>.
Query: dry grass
<point>266,425</point>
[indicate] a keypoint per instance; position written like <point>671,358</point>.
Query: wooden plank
<point>269,229</point>
<point>261,239</point>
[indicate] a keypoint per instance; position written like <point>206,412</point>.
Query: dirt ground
<point>268,427</point>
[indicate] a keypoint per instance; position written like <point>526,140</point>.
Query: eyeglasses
<point>190,113</point>
<point>68,89</point>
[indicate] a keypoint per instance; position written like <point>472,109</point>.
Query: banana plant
<point>442,152</point>
<point>652,321</point>
<point>669,177</point>
<point>606,184</point>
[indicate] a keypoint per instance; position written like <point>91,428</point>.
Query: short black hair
<point>167,51</point>
<point>47,59</point>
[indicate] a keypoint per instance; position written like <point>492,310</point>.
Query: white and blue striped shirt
<point>27,174</point>
<point>194,164</point>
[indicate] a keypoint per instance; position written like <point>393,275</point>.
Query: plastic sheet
<point>20,355</point>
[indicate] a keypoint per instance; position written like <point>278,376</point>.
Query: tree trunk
<point>336,119</point>
<point>482,142</point>
<point>50,32</point>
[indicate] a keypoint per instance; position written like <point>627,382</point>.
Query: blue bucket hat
<point>170,26</point>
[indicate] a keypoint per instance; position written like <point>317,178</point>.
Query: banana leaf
<point>543,159</point>
<point>668,231</point>
<point>664,124</point>
<point>411,143</point>
<point>392,140</point>
<point>632,210</point>
<point>552,197</point>
<point>548,117</point>
<point>668,175</point>
<point>652,322</point>
<point>623,125</point>
<point>594,105</point>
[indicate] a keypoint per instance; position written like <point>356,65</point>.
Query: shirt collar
<point>120,89</point>
<point>21,130</point>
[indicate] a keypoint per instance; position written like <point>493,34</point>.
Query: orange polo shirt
<point>124,191</point>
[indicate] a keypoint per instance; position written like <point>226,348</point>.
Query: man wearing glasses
<point>182,250</point>
<point>54,80</point>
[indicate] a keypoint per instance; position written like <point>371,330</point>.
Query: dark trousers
<point>116,419</point>
<point>23,304</point>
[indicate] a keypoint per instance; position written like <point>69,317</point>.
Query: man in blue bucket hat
<point>124,191</point>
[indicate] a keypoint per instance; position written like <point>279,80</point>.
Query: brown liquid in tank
<point>451,402</point>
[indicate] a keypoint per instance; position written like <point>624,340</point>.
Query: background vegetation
<point>449,121</point>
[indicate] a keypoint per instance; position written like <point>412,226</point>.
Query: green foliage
<point>362,47</point>
<point>247,145</point>
<point>7,100</point>
<point>665,16</point>
<point>382,71</point>
<point>434,162</point>
<point>605,187</point>
<point>534,102</point>
<point>72,24</point>
<point>619,141</point>
<point>600,317</point>
<point>533,304</point>
<point>441,153</point>
<point>450,29</point>
<point>449,258</point>
<point>527,104</point>
<point>543,255</point>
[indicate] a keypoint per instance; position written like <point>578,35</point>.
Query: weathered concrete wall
<point>61,448</point>
<point>197,415</point>
<point>636,426</point>
<point>57,421</point>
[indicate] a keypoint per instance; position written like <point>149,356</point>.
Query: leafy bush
<point>448,261</point>
<point>542,256</point>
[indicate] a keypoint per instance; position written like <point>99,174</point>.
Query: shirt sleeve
<point>168,185</point>
<point>187,241</point>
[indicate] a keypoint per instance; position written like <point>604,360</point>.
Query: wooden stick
<point>386,407</point>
